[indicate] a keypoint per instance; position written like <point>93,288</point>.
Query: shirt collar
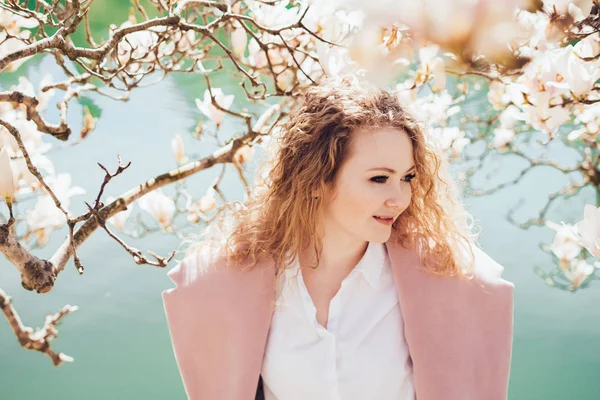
<point>370,265</point>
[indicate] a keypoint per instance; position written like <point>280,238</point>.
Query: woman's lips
<point>385,221</point>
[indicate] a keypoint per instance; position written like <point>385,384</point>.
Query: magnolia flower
<point>432,65</point>
<point>194,213</point>
<point>575,74</point>
<point>210,110</point>
<point>136,45</point>
<point>12,23</point>
<point>256,56</point>
<point>119,219</point>
<point>573,7</point>
<point>10,34</point>
<point>159,206</point>
<point>178,149</point>
<point>450,139</point>
<point>25,181</point>
<point>43,219</point>
<point>510,116</point>
<point>589,229</point>
<point>335,60</point>
<point>502,137</point>
<point>497,95</point>
<point>541,115</point>
<point>484,25</point>
<point>8,46</point>
<point>589,116</point>
<point>239,39</point>
<point>244,154</point>
<point>578,272</point>
<point>208,202</point>
<point>61,187</point>
<point>274,15</point>
<point>566,243</point>
<point>45,216</point>
<point>285,80</point>
<point>439,73</point>
<point>205,204</point>
<point>31,137</point>
<point>7,186</point>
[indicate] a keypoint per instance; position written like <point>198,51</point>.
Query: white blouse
<point>362,354</point>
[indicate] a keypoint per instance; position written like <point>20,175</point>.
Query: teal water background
<point>119,336</point>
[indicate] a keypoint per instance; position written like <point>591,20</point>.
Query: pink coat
<point>459,332</point>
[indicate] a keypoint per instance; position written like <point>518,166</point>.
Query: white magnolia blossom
<point>566,243</point>
<point>210,110</point>
<point>497,95</point>
<point>335,60</point>
<point>536,28</point>
<point>194,215</point>
<point>178,148</point>
<point>136,45</point>
<point>589,229</point>
<point>434,109</point>
<point>31,137</point>
<point>25,181</point>
<point>202,206</point>
<point>510,117</point>
<point>244,154</point>
<point>274,16</point>
<point>208,201</point>
<point>7,187</point>
<point>575,75</point>
<point>159,206</point>
<point>449,22</point>
<point>11,25</point>
<point>61,187</point>
<point>239,41</point>
<point>433,65</point>
<point>502,138</point>
<point>543,116</point>
<point>332,22</point>
<point>578,272</point>
<point>572,7</point>
<point>45,216</point>
<point>588,115</point>
<point>450,139</point>
<point>119,219</point>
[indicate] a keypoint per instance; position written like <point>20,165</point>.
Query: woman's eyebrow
<point>390,170</point>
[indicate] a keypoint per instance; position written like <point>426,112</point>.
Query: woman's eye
<point>383,178</point>
<point>410,177</point>
<point>379,179</point>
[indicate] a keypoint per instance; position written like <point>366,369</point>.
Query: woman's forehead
<point>382,147</point>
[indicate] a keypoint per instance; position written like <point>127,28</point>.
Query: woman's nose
<point>400,198</point>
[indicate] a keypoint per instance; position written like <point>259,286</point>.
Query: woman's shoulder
<point>208,264</point>
<point>487,268</point>
<point>199,261</point>
<point>484,269</point>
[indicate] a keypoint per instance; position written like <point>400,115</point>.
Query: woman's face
<point>374,181</point>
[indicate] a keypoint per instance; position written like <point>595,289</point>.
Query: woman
<point>350,273</point>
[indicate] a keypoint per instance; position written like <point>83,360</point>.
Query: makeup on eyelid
<point>407,178</point>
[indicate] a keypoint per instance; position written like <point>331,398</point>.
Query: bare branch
<point>41,338</point>
<point>61,131</point>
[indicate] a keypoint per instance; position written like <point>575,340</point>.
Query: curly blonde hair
<point>279,219</point>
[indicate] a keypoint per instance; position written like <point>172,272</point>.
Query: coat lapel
<point>459,332</point>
